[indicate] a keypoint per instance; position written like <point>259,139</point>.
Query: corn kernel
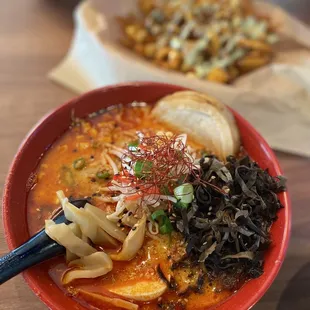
<point>83,145</point>
<point>93,132</point>
<point>86,127</point>
<point>63,148</point>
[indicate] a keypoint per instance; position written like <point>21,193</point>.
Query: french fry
<point>146,6</point>
<point>214,45</point>
<point>255,45</point>
<point>150,50</point>
<point>185,68</point>
<point>140,35</point>
<point>174,59</point>
<point>162,53</point>
<point>218,75</point>
<point>251,62</point>
<point>162,63</point>
<point>169,11</point>
<point>256,53</point>
<point>139,48</point>
<point>131,31</point>
<point>248,7</point>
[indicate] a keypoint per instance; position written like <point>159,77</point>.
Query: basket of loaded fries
<point>210,40</point>
<point>252,55</point>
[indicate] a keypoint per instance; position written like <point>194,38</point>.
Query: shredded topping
<point>228,230</point>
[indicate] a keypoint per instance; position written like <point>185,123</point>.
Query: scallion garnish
<point>103,175</point>
<point>142,168</point>
<point>181,205</point>
<point>132,146</point>
<point>133,143</point>
<point>165,226</point>
<point>184,193</point>
<point>79,163</point>
<point>157,214</point>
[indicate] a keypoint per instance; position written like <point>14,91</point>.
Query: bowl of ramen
<point>184,203</point>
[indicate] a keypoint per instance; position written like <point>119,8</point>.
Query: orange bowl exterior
<point>57,122</point>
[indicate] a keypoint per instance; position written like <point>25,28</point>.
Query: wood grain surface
<point>34,36</point>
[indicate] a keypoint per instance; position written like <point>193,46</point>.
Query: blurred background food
<point>209,39</point>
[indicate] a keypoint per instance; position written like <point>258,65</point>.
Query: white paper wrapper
<point>275,98</point>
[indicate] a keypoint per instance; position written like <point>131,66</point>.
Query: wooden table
<point>34,36</point>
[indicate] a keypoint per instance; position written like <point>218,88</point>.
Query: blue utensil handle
<point>36,250</point>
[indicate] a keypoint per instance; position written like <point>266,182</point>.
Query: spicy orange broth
<point>117,127</point>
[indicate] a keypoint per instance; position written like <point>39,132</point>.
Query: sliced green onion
<point>103,175</point>
<point>157,214</point>
<point>79,163</point>
<point>184,193</point>
<point>138,168</point>
<point>165,226</point>
<point>133,145</point>
<point>142,168</point>
<point>181,205</point>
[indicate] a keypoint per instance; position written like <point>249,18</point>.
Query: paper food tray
<point>275,98</point>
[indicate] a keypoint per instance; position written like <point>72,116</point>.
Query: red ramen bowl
<point>56,123</point>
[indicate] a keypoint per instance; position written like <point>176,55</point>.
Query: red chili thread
<point>170,163</point>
